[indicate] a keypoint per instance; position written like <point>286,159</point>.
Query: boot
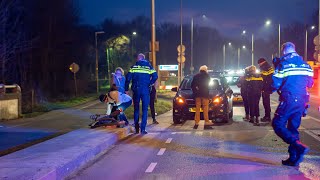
<point>292,157</point>
<point>246,118</point>
<point>137,127</point>
<point>266,119</point>
<point>301,150</point>
<point>251,120</point>
<point>256,121</point>
<point>154,121</point>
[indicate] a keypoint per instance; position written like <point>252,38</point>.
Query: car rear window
<point>215,83</point>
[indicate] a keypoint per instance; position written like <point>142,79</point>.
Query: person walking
<point>266,73</point>
<point>244,91</point>
<point>200,89</point>
<point>291,78</point>
<point>143,76</point>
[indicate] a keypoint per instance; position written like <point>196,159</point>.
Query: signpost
<point>74,68</point>
<point>168,67</point>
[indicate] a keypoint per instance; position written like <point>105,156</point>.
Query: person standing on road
<point>291,78</point>
<point>244,90</point>
<point>153,99</point>
<point>266,72</point>
<point>143,76</point>
<point>200,89</point>
<point>118,79</point>
<point>255,86</point>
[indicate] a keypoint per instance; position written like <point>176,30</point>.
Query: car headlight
<point>180,100</point>
<point>217,100</point>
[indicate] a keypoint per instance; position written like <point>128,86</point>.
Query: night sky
<point>229,16</point>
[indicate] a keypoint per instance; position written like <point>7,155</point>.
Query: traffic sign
<point>168,67</point>
<point>74,67</point>
<point>183,59</point>
<point>181,48</point>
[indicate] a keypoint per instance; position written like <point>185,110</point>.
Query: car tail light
<point>180,100</point>
<point>217,100</point>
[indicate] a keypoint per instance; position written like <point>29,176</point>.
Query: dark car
<point>220,104</point>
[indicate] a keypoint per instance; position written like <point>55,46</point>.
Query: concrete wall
<point>9,109</point>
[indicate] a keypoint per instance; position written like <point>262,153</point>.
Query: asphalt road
<point>237,150</point>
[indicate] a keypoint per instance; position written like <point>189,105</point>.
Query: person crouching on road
<point>119,99</point>
<point>266,73</point>
<point>244,90</point>
<point>142,76</point>
<point>200,89</point>
<point>255,85</point>
<point>291,78</point>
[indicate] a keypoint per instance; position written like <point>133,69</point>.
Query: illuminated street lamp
<point>306,43</point>
<point>268,23</point>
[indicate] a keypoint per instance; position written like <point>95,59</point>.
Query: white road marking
<point>312,134</point>
<point>151,167</point>
<point>168,140</point>
<point>89,105</point>
<point>161,152</point>
<point>174,133</point>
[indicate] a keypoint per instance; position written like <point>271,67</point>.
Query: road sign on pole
<point>74,68</point>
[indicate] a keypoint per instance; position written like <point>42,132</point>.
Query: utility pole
<point>153,34</point>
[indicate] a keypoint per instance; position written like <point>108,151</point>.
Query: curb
<point>61,156</point>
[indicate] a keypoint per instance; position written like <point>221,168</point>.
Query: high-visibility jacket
<point>292,76</point>
<point>142,76</point>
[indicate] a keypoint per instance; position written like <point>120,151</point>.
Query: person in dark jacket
<point>266,73</point>
<point>143,76</point>
<point>255,83</point>
<point>291,78</point>
<point>244,90</point>
<point>200,89</point>
<point>153,96</point>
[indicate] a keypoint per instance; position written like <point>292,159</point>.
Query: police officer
<point>266,73</point>
<point>291,78</point>
<point>255,83</point>
<point>244,90</point>
<point>143,76</point>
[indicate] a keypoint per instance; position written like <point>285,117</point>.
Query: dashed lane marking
<point>168,140</point>
<point>312,134</point>
<point>161,152</point>
<point>174,133</point>
<point>151,167</point>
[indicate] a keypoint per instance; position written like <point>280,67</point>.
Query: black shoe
<point>195,126</point>
<point>207,127</point>
<point>301,150</point>
<point>266,119</point>
<point>155,122</point>
<point>137,127</point>
<point>288,162</point>
<point>256,121</point>
<point>144,132</point>
<point>251,120</point>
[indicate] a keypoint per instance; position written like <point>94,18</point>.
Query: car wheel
<point>176,119</point>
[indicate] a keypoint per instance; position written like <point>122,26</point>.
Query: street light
<point>306,43</point>
<point>268,23</point>
<point>97,62</point>
<point>252,45</point>
<point>134,33</point>
<point>191,59</point>
<point>239,49</point>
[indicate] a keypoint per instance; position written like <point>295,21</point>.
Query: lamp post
<point>224,54</point>
<point>132,37</point>
<point>268,23</point>
<point>239,51</point>
<point>97,57</point>
<point>252,45</point>
<point>306,43</point>
<point>191,59</point>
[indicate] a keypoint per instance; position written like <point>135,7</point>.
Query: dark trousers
<point>287,118</point>
<point>152,100</point>
<point>254,105</point>
<point>266,104</point>
<point>246,104</point>
<point>144,96</point>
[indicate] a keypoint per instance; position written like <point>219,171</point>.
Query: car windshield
<point>232,80</point>
<point>214,84</point>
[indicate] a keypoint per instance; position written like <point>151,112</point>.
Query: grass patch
<point>166,94</point>
<point>162,106</point>
<point>49,106</point>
